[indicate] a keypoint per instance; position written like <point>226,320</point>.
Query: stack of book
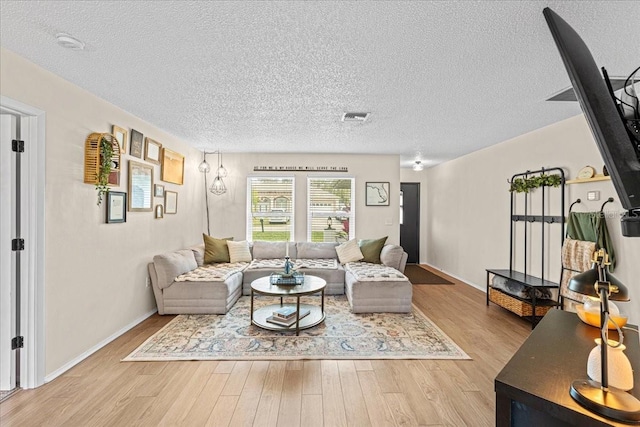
<point>286,316</point>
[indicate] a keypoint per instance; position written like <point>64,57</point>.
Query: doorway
<point>22,218</point>
<point>8,298</point>
<point>410,220</point>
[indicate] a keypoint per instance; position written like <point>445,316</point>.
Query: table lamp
<point>600,397</point>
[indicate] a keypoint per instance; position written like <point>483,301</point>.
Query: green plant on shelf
<point>525,185</point>
<point>102,177</point>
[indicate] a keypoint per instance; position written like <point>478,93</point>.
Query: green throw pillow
<point>371,249</point>
<point>215,250</point>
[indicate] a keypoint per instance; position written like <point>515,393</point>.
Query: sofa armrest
<point>157,292</point>
<point>394,256</point>
<point>172,264</point>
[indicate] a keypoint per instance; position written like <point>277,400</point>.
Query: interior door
<point>410,220</point>
<point>8,130</point>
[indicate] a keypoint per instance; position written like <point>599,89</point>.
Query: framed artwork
<point>136,144</point>
<point>158,190</point>
<point>170,202</point>
<point>152,151</point>
<point>140,187</point>
<point>377,194</point>
<point>159,212</point>
<point>172,167</point>
<point>121,136</point>
<point>116,207</point>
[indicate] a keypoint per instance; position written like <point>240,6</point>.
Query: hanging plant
<point>102,177</point>
<point>524,185</point>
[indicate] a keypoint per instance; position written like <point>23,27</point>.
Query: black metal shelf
<point>524,278</point>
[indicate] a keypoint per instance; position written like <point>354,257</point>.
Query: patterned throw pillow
<point>349,252</point>
<point>371,249</point>
<point>239,251</point>
<point>215,250</point>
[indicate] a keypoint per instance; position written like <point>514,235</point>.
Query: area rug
<point>343,335</point>
<point>420,276</point>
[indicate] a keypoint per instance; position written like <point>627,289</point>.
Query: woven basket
<point>521,308</point>
<point>92,158</point>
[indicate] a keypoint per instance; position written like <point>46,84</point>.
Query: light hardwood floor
<point>102,391</point>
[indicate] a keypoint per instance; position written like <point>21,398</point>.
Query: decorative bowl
<point>593,318</point>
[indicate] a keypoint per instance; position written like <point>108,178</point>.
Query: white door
<point>7,269</point>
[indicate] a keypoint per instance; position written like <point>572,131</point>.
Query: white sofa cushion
<point>311,250</point>
<point>239,251</point>
<point>349,252</point>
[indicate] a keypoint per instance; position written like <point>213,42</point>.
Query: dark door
<point>410,220</point>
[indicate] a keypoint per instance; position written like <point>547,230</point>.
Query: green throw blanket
<point>591,227</point>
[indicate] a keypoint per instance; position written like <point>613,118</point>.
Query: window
<point>331,217</point>
<point>270,208</point>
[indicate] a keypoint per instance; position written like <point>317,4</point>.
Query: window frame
<point>351,213</point>
<point>260,204</point>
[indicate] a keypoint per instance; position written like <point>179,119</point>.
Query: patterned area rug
<point>343,335</point>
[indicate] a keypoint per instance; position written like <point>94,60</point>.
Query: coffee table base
<point>315,317</point>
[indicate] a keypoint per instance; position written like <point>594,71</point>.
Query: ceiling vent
<point>355,117</point>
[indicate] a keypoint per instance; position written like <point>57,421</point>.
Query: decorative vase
<point>618,366</point>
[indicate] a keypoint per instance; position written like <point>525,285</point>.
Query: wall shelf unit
<point>536,304</point>
<point>595,178</point>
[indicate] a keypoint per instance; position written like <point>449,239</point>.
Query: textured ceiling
<point>441,79</point>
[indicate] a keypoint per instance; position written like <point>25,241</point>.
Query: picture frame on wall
<point>172,167</point>
<point>116,207</point>
<point>140,187</point>
<point>158,190</point>
<point>377,194</point>
<point>170,202</point>
<point>152,151</point>
<point>159,212</point>
<point>136,144</point>
<point>121,135</point>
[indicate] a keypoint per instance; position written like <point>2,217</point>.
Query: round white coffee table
<point>312,285</point>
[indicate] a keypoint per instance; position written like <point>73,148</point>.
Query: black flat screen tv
<point>615,144</point>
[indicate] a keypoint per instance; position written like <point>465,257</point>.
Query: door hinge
<point>17,146</point>
<point>17,245</point>
<point>17,342</point>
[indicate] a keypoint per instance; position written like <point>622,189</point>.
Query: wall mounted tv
<point>617,146</point>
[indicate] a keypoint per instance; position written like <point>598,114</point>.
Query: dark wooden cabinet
<point>533,387</point>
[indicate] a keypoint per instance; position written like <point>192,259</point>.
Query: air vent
<point>355,117</point>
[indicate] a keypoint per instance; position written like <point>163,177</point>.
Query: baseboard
<point>466,282</point>
<point>55,374</point>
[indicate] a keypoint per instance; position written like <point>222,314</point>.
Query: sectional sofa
<point>184,284</point>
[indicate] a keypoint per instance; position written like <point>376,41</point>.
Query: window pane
<point>330,209</point>
<point>270,209</point>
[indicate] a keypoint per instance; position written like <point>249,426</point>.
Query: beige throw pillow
<point>349,252</point>
<point>239,251</point>
<point>215,250</point>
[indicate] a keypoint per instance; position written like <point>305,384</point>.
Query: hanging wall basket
<point>102,162</point>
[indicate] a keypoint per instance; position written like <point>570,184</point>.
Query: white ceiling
<point>441,79</point>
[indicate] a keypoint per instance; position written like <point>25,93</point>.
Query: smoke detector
<point>69,42</point>
<point>355,117</point>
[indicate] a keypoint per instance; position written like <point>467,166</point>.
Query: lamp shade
<point>584,283</point>
<point>204,167</point>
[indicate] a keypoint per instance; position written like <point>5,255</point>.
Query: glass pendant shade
<point>217,187</point>
<point>418,166</point>
<point>222,171</point>
<point>204,167</point>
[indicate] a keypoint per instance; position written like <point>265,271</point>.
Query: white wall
<point>371,221</point>
<point>95,272</point>
<point>467,228</point>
